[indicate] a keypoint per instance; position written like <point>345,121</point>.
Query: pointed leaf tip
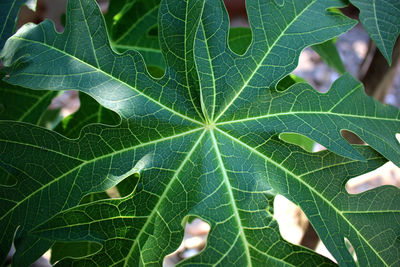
<point>381,20</point>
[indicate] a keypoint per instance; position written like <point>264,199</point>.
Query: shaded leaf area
<point>21,104</point>
<point>8,17</point>
<point>133,25</point>
<point>182,139</point>
<point>60,250</point>
<point>89,112</point>
<point>54,173</point>
<point>381,20</point>
<point>75,250</point>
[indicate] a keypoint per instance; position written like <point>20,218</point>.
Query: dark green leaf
<point>381,20</point>
<point>78,249</point>
<point>130,24</point>
<point>21,104</point>
<point>288,81</point>
<point>239,39</point>
<point>8,16</point>
<point>73,250</point>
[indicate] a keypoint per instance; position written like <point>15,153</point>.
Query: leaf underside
<point>203,140</point>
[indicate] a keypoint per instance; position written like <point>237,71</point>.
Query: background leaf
<point>329,54</point>
<point>297,139</point>
<point>89,112</point>
<point>381,20</point>
<point>133,25</point>
<point>18,103</point>
<point>21,104</point>
<point>8,17</point>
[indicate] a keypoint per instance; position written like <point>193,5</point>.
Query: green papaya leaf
<point>61,250</point>
<point>18,103</point>
<point>21,104</point>
<point>240,39</point>
<point>253,205</point>
<point>381,20</point>
<point>130,24</point>
<point>8,17</point>
<point>202,141</point>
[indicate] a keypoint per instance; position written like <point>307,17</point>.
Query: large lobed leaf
<point>203,138</point>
